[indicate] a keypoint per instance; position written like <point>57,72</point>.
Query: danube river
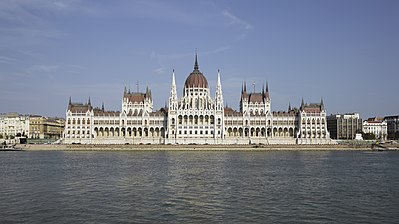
<point>199,187</point>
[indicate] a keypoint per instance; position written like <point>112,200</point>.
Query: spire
<point>70,101</point>
<point>302,103</point>
<point>245,86</point>
<point>289,106</point>
<point>219,94</point>
<point>102,107</point>
<point>88,102</point>
<point>322,104</point>
<point>219,78</point>
<point>196,61</point>
<point>263,90</point>
<point>124,91</point>
<point>267,90</point>
<point>173,78</point>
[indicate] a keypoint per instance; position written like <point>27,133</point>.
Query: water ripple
<point>198,187</point>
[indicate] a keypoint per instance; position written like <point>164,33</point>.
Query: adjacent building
<point>14,125</point>
<point>41,127</point>
<point>377,126</point>
<point>344,126</point>
<point>197,117</point>
<point>392,126</point>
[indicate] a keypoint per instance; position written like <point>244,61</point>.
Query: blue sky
<point>344,51</point>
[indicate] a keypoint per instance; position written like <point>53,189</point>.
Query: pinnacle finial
<point>70,101</point>
<point>267,86</point>
<point>289,106</point>
<point>88,102</point>
<point>102,107</point>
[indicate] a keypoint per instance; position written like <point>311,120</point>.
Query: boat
<point>382,147</point>
<point>10,148</point>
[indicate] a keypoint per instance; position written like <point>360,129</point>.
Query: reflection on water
<point>148,187</point>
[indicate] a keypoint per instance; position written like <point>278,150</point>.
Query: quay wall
<point>111,147</point>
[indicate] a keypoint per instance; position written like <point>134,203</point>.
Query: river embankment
<point>110,147</point>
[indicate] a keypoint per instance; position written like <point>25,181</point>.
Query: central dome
<point>196,79</point>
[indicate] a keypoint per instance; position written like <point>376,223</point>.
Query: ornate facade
<point>196,118</point>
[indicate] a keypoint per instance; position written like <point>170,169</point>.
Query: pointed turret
<point>302,104</point>
<point>321,104</point>
<point>267,90</point>
<point>289,106</point>
<point>124,91</point>
<point>102,107</point>
<point>88,102</point>
<point>70,101</point>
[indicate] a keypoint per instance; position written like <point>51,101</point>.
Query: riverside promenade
<point>110,147</point>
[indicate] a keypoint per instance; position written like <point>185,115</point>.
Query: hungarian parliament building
<point>196,118</point>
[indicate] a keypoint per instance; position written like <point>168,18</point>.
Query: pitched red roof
<point>79,108</point>
<point>231,112</point>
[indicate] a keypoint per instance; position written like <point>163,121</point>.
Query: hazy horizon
<point>345,52</point>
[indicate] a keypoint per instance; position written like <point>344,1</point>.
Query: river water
<point>199,187</point>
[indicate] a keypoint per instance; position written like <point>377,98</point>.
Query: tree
<point>368,136</point>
